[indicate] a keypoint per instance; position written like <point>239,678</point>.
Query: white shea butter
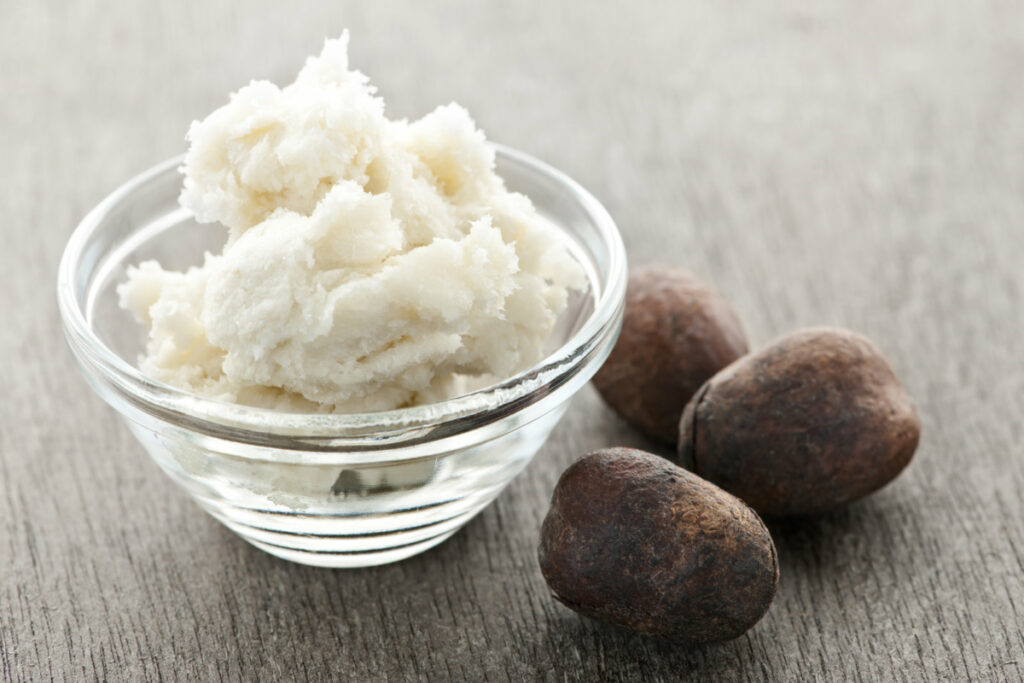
<point>370,264</point>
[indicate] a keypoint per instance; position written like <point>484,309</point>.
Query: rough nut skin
<point>633,540</point>
<point>676,333</point>
<point>812,422</point>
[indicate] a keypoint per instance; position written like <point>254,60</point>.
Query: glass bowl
<point>333,490</point>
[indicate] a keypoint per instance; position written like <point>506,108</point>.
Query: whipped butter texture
<point>370,264</point>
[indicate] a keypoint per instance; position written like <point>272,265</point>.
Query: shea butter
<point>369,263</point>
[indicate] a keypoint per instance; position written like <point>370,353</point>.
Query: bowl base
<point>421,530</point>
<point>331,560</point>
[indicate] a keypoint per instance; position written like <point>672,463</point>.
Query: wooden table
<point>860,164</point>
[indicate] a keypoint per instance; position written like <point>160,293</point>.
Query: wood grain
<point>860,164</point>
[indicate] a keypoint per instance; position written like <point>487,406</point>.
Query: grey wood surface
<point>852,163</point>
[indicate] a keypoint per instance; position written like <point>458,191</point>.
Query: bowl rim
<point>257,425</point>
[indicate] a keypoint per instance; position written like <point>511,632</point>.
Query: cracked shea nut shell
<point>676,333</point>
<point>814,421</point>
<point>633,540</point>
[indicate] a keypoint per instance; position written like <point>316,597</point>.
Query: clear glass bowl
<point>333,490</point>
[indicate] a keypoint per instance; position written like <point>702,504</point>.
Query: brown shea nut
<point>814,421</point>
<point>635,541</point>
<point>676,333</point>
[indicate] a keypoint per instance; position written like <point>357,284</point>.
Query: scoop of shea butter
<point>370,264</point>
